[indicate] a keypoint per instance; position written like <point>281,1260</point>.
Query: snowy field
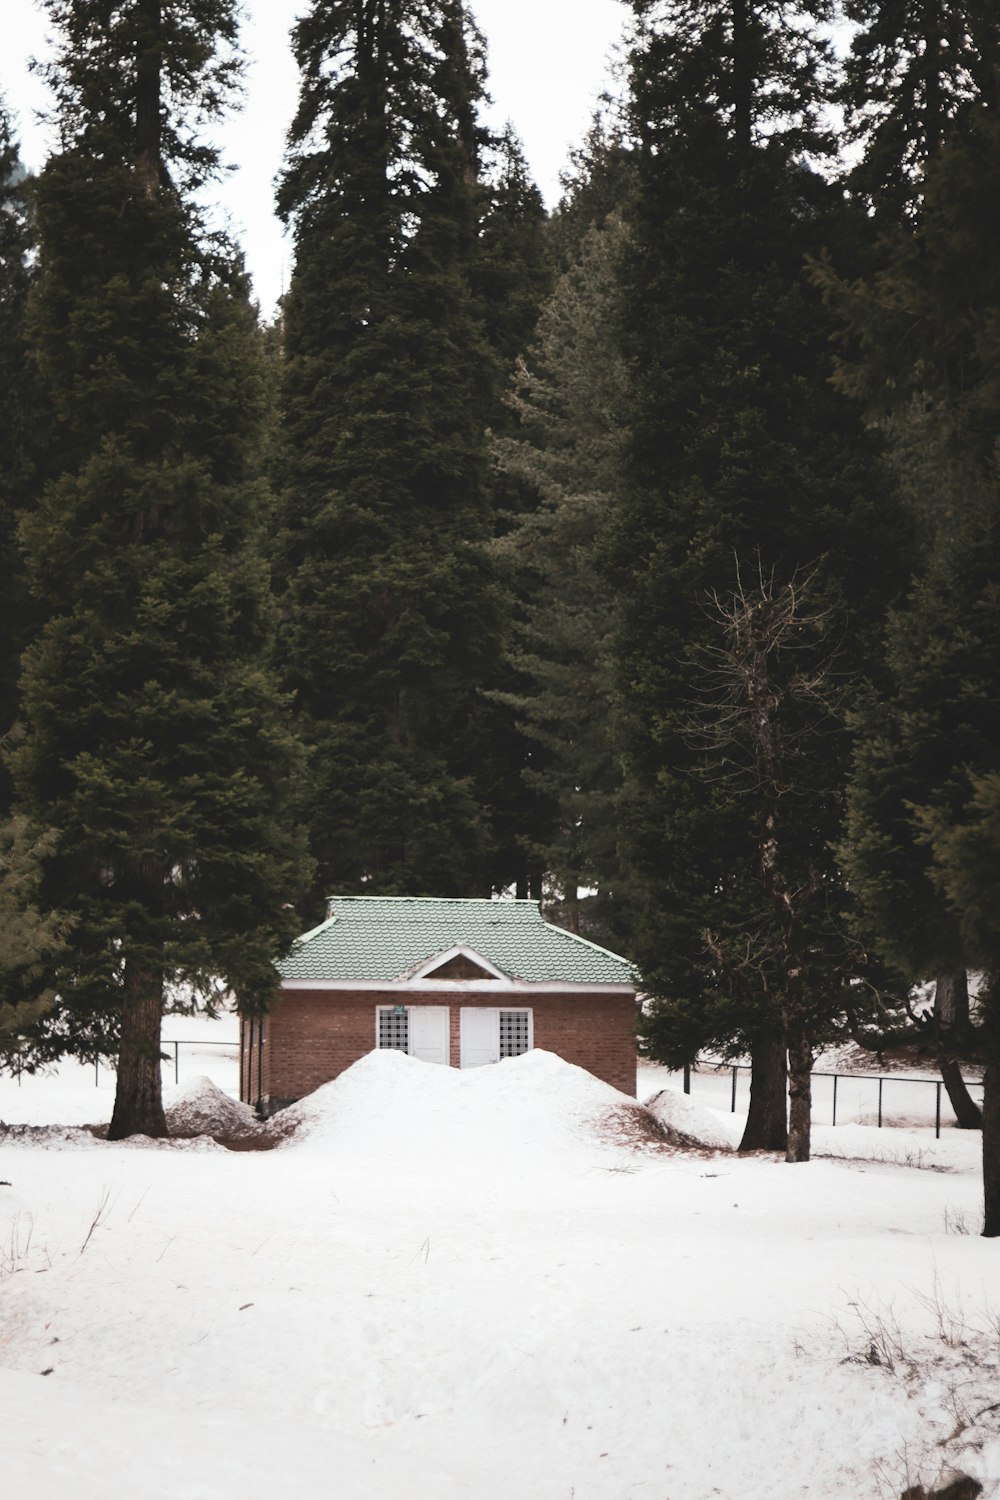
<point>494,1284</point>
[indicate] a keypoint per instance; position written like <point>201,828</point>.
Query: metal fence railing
<point>862,1098</point>
<point>233,1048</point>
<point>170,1057</point>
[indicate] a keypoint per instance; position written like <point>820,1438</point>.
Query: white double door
<point>427,1034</point>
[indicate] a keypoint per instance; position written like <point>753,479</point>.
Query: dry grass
<point>632,1126</point>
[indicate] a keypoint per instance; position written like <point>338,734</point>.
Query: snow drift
<point>387,1101</point>
<point>688,1124</point>
<point>200,1107</point>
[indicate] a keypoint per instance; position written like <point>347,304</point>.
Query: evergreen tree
<point>157,752</point>
<point>920,823</point>
<point>770,701</point>
<point>32,944</point>
<point>966,851</point>
<point>741,460</point>
<point>917,77</point>
<point>510,272</point>
<point>20,411</point>
<point>597,186</point>
<point>557,453</point>
<point>568,395</point>
<point>391,611</point>
<point>914,744</point>
<point>915,70</point>
<point>510,276</point>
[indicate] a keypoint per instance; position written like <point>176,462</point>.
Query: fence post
<point>735,1075</point>
<point>880,1083</point>
<point>687,1078</point>
<point>177,1062</point>
<point>97,1070</point>
<point>834,1099</point>
<point>937,1115</point>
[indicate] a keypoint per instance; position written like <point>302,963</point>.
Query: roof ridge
<point>447,900</point>
<point>304,937</point>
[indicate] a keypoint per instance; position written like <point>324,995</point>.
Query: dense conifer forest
<point>639,556</point>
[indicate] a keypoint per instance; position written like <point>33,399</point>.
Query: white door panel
<point>479,1030</point>
<point>428,1038</point>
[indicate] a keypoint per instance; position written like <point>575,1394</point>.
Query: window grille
<point>513,1033</point>
<point>394,1028</point>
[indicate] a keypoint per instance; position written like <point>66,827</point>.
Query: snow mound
<point>688,1124</point>
<point>389,1102</point>
<point>47,1137</point>
<point>199,1107</point>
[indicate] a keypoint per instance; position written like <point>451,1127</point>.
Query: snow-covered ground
<point>494,1284</point>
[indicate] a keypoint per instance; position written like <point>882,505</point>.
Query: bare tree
<point>770,725</point>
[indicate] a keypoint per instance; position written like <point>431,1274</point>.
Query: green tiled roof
<point>388,937</point>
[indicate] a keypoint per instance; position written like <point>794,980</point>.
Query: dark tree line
<point>812,397</point>
<point>640,556</point>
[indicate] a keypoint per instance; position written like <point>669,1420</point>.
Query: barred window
<point>394,1027</point>
<point>513,1033</point>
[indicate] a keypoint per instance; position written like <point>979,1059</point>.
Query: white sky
<point>548,62</point>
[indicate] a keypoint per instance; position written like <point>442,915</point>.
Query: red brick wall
<point>595,1031</point>
<point>312,1035</point>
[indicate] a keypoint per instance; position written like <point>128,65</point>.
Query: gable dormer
<point>458,965</point>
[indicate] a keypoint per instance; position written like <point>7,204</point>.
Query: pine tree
<point>556,452</point>
<point>966,852</point>
<point>917,77</point>
<point>597,186</point>
<point>741,460</point>
<point>510,273</point>
<point>915,70</point>
<point>914,744</point>
<point>157,751</point>
<point>32,945</point>
<point>770,700</point>
<point>568,395</point>
<point>926,759</point>
<point>20,424</point>
<point>391,612</point>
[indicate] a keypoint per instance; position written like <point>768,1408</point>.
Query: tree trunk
<point>951,1014</point>
<point>991,1111</point>
<point>139,1096</point>
<point>800,1061</point>
<point>991,1145</point>
<point>148,103</point>
<point>968,1115</point>
<point>767,1122</point>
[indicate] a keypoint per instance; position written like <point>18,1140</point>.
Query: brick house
<point>461,983</point>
